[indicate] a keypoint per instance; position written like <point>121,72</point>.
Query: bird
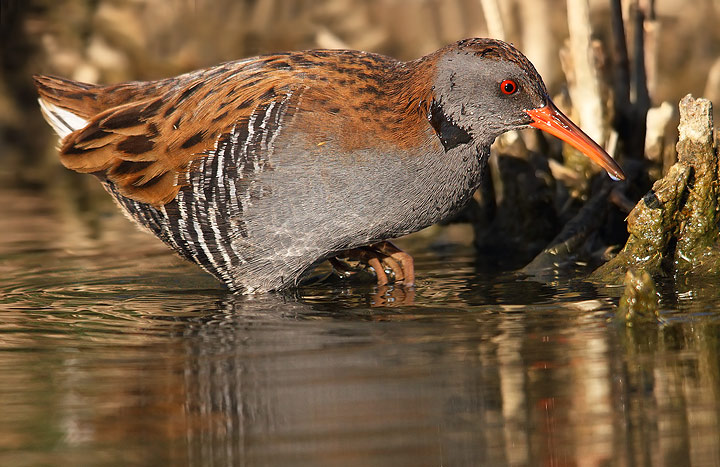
<point>259,169</point>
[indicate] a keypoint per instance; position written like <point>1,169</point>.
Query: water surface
<point>115,352</point>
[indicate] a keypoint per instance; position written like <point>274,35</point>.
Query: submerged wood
<point>523,189</point>
<point>640,300</point>
<point>674,227</point>
<point>566,246</point>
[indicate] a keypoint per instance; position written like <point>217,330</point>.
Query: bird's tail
<point>66,105</point>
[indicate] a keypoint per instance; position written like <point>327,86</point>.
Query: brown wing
<point>144,136</point>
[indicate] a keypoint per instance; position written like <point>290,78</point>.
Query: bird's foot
<point>380,256</point>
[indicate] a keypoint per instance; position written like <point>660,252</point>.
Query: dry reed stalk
<point>585,89</point>
<point>493,19</point>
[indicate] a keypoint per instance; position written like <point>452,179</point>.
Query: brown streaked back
<point>145,136</point>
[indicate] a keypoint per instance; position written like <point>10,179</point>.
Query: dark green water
<point>115,352</point>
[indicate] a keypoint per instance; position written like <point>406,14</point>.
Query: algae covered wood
<point>698,228</point>
<point>650,225</point>
<point>674,228</point>
<point>640,300</point>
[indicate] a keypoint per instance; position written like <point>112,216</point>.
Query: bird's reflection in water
<point>381,296</point>
<point>393,296</point>
<point>273,380</point>
<point>279,380</point>
<point>216,379</point>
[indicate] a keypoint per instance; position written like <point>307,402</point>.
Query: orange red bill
<point>551,120</point>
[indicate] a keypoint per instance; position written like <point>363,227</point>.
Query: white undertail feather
<point>63,121</point>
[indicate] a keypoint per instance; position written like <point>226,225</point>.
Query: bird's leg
<point>366,255</point>
<point>363,254</point>
<point>394,266</point>
<point>340,267</point>
<point>406,261</point>
<point>378,256</point>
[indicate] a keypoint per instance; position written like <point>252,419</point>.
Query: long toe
<point>395,266</point>
<point>374,262</point>
<point>405,260</point>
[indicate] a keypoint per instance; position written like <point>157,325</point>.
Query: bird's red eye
<point>508,87</point>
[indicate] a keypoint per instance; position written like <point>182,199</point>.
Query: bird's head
<point>485,87</point>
